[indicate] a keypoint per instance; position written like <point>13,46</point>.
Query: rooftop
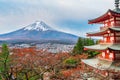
<point>105,16</point>
<point>104,47</point>
<point>101,32</point>
<point>101,64</point>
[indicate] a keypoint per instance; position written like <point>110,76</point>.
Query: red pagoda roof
<point>101,32</point>
<point>97,33</point>
<point>104,17</point>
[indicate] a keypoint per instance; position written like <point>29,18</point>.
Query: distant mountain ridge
<point>39,31</point>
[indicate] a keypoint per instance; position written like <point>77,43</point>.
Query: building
<point>109,46</point>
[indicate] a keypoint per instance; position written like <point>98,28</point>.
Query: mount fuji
<point>39,31</point>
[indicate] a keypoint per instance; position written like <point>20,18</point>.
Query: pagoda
<point>109,46</point>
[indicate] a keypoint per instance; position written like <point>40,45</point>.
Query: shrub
<point>70,63</point>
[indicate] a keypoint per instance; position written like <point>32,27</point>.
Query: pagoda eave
<point>101,47</point>
<point>115,29</point>
<point>115,47</point>
<point>96,47</point>
<point>97,33</point>
<point>104,17</point>
<point>102,32</point>
<point>102,64</point>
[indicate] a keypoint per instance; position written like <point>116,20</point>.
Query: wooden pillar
<point>114,55</point>
<point>114,37</point>
<point>26,75</point>
<point>115,20</point>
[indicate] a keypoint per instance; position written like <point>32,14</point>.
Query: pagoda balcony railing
<point>103,28</point>
<point>117,25</point>
<point>117,56</point>
<point>104,58</point>
<point>118,41</point>
<point>105,42</point>
<point>109,42</point>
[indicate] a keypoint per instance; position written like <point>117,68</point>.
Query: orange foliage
<point>68,73</point>
<point>32,58</point>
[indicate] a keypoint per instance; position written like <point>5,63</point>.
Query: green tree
<point>4,63</point>
<point>78,49</point>
<point>89,42</point>
<point>97,41</point>
<point>70,62</point>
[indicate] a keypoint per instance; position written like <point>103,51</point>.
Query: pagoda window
<point>117,52</point>
<point>112,39</point>
<point>117,18</point>
<point>103,54</point>
<point>107,51</point>
<point>111,19</point>
<point>117,23</point>
<point>111,34</point>
<point>111,55</point>
<point>117,38</point>
<point>112,23</point>
<point>118,34</point>
<point>105,39</point>
<point>117,56</point>
<point>108,31</point>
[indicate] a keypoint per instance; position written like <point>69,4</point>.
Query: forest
<point>33,64</point>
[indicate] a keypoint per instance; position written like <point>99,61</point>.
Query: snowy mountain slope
<point>38,31</point>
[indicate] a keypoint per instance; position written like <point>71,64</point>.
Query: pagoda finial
<point>117,4</point>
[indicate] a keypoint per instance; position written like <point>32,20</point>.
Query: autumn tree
<point>30,64</point>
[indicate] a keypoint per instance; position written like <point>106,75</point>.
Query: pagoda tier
<point>110,35</point>
<point>109,52</point>
<point>109,16</point>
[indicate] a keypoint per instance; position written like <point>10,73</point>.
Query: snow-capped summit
<point>38,26</point>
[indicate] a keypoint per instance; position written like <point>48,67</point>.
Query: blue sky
<point>70,16</point>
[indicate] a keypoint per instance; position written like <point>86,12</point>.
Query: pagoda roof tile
<point>115,28</point>
<point>98,64</point>
<point>98,47</point>
<point>96,33</point>
<point>115,47</point>
<point>101,64</point>
<point>101,32</point>
<point>104,47</point>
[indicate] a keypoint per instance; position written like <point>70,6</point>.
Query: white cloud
<point>51,11</point>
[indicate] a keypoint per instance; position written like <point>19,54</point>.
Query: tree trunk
<point>26,75</point>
